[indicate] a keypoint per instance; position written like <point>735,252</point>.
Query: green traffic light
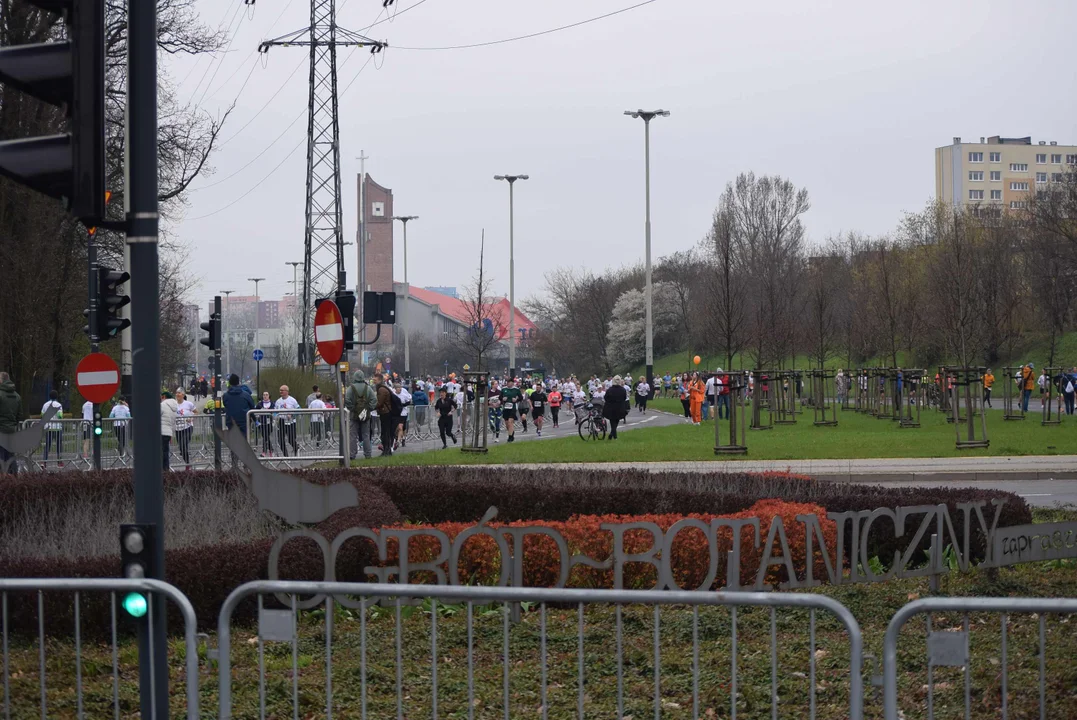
<point>97,430</point>
<point>135,604</point>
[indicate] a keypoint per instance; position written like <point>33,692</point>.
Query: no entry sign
<point>329,332</point>
<point>97,377</point>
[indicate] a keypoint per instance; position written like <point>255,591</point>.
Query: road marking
<point>1035,494</point>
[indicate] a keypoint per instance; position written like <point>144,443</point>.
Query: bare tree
<point>726,319</point>
<point>485,326</point>
<point>824,282</point>
<point>680,273</point>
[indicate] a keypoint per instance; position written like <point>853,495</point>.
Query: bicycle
<point>592,426</point>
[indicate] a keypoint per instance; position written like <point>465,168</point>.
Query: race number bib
<point>510,406</point>
<point>537,403</point>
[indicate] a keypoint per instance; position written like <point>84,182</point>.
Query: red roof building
<point>433,313</point>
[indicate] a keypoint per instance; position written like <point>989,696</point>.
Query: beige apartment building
<point>999,171</point>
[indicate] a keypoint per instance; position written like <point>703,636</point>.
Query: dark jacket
<point>11,413</point>
<point>385,402</point>
<point>359,396</point>
<point>616,406</point>
<point>237,401</point>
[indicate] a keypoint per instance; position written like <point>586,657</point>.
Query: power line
<point>393,16</point>
<point>531,35</point>
<point>290,153</point>
<point>267,102</point>
<point>253,53</point>
<point>231,38</point>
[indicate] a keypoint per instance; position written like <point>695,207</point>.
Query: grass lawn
<point>872,605</point>
<point>856,436</point>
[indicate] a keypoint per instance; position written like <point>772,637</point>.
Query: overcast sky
<point>847,99</point>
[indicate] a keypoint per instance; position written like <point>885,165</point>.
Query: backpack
<point>1069,387</point>
<point>396,407</point>
<point>358,400</point>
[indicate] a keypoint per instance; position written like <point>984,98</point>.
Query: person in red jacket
<point>554,398</point>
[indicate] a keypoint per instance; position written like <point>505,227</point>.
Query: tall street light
<point>407,295</point>
<point>511,180</point>
<point>224,311</point>
<point>257,340</point>
<point>647,116</point>
<point>295,291</point>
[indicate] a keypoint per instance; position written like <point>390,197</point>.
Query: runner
<point>444,408</point>
<point>317,426</point>
<point>121,414</point>
<point>538,407</point>
<point>510,401</point>
<point>494,411</point>
<point>554,399</point>
<point>54,430</point>
<point>286,430</point>
<point>643,391</point>
<point>265,424</point>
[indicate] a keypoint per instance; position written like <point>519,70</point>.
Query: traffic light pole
<point>140,193</point>
<point>217,386</point>
<point>91,285</point>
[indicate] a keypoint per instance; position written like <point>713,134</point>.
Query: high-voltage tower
<point>323,247</point>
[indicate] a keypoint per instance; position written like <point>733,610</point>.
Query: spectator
<point>317,420</point>
<point>120,413</point>
<point>184,425</point>
<point>616,404</point>
<point>1026,382</point>
<point>384,407</point>
<point>420,401</point>
<point>310,398</point>
<point>721,383</point>
<point>169,410</point>
<point>1069,385</point>
<point>359,401</point>
<point>87,427</point>
<point>54,429</point>
<point>265,423</point>
<point>11,414</point>
<point>287,432</point>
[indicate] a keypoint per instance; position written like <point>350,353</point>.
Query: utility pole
<point>511,179</point>
<point>295,291</point>
<point>257,338</point>
<point>647,116</point>
<point>323,246</point>
<point>407,295</point>
<point>361,242</point>
<point>140,199</point>
<point>228,350</point>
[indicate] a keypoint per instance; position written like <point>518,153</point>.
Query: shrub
<point>480,560</point>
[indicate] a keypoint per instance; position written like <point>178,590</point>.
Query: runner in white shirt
<point>121,413</point>
<point>643,393</point>
<point>405,410</point>
<point>317,422</point>
<point>185,411</point>
<point>54,430</point>
<point>87,427</point>
<point>286,430</point>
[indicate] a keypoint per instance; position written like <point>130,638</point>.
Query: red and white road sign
<point>97,377</point>
<point>329,332</point>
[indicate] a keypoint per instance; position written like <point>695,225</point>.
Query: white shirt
<point>711,387</point>
<point>168,417</point>
<point>288,403</point>
<point>60,413</point>
<point>643,389</point>
<point>316,404</point>
<point>122,413</point>
<point>460,398</point>
<point>87,411</point>
<point>405,398</point>
<point>185,410</point>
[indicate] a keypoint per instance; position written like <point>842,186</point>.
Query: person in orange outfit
<point>696,388</point>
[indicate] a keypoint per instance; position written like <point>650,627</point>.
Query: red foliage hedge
<point>480,561</point>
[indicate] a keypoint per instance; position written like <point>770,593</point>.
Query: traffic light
<point>346,304</point>
<point>137,543</point>
<point>70,74</point>
<point>213,330</point>
<point>109,302</point>
<point>97,423</point>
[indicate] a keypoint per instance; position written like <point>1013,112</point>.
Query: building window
<point>1056,177</point>
<point>996,194</point>
<point>1017,204</point>
<point>1041,158</point>
<point>976,175</point>
<point>1041,177</point>
<point>976,157</point>
<point>1071,159</point>
<point>1056,158</point>
<point>976,194</point>
<point>1018,167</point>
<point>1019,186</point>
<point>996,157</point>
<point>996,176</point>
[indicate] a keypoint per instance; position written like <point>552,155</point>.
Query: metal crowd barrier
<point>293,438</point>
<point>948,646</point>
<point>28,694</point>
<point>67,444</point>
<point>520,648</point>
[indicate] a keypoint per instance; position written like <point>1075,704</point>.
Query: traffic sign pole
<point>217,392</point>
<point>258,355</point>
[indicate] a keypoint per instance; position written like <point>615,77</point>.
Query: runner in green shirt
<point>510,401</point>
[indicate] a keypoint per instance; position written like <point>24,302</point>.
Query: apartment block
<point>999,171</point>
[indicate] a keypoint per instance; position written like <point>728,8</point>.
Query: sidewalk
<point>991,469</point>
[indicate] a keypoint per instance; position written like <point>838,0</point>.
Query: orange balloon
<point>696,359</point>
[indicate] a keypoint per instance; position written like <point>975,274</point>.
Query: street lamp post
<point>295,291</point>
<point>257,340</point>
<point>647,116</point>
<point>511,180</point>
<point>224,310</point>
<point>407,295</point>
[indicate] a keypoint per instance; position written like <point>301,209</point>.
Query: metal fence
<point>295,437</point>
<point>23,624</point>
<point>574,652</point>
<point>67,444</point>
<point>1013,670</point>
